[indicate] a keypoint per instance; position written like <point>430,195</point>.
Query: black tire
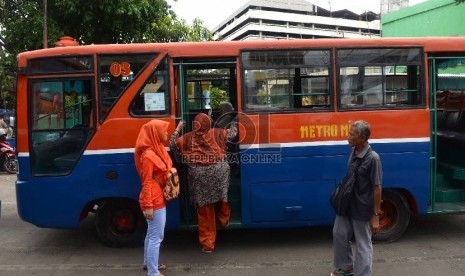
<point>120,223</point>
<point>394,218</point>
<point>10,166</point>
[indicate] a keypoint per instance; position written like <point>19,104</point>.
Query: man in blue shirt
<point>362,220</point>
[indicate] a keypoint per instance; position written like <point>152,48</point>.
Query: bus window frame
<point>32,80</point>
<point>165,58</point>
<point>101,119</point>
<point>30,71</point>
<point>92,128</point>
<point>422,80</point>
<point>329,108</point>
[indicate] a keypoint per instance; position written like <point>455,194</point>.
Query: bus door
<point>448,133</point>
<point>203,85</point>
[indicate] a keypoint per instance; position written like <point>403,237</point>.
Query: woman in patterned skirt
<point>204,151</point>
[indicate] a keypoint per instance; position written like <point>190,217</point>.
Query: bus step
<point>443,181</point>
<point>450,195</point>
<point>233,224</point>
<point>452,171</point>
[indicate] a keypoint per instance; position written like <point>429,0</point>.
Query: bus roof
<point>232,48</point>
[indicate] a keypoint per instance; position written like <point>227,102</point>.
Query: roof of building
<point>294,5</point>
<point>299,6</point>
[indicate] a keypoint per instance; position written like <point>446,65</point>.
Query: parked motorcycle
<point>7,154</point>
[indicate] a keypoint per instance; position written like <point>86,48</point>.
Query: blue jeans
<point>155,234</point>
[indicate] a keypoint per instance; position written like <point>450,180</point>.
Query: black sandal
<point>160,267</point>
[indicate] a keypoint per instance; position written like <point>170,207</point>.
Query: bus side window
<point>379,78</point>
<point>315,92</point>
<point>153,99</point>
<point>287,80</point>
<point>61,128</point>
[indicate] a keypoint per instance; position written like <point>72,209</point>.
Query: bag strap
<point>360,160</point>
<point>158,181</point>
<point>357,162</point>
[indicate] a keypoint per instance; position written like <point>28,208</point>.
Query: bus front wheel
<point>120,223</point>
<point>394,217</point>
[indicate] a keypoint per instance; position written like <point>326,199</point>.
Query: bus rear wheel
<point>394,218</point>
<point>120,223</point>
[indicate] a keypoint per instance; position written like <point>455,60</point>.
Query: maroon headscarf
<point>203,145</point>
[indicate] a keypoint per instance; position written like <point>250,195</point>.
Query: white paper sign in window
<point>154,101</point>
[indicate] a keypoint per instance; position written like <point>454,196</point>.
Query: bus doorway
<point>203,86</point>
<point>448,133</point>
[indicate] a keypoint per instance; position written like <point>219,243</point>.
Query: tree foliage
<point>21,22</point>
<point>103,21</point>
<point>119,21</point>
<point>459,1</point>
<point>7,72</point>
<point>217,96</point>
<point>89,22</point>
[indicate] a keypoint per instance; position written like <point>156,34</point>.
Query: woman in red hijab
<point>203,150</point>
<point>152,161</point>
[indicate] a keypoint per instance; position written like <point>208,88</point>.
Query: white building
<point>388,6</point>
<point>294,19</point>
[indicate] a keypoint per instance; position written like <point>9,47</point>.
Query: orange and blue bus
<point>80,108</point>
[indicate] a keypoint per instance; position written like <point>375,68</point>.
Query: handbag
<point>342,196</point>
<point>171,188</point>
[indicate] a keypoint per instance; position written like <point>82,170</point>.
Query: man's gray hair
<point>362,128</point>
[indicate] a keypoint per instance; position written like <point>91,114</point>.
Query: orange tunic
<point>152,160</point>
<point>151,196</point>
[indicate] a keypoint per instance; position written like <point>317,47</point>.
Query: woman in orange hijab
<point>152,161</point>
<point>203,150</point>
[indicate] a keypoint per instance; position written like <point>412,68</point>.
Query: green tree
<point>21,25</point>
<point>217,96</point>
<point>117,21</point>
<point>98,22</point>
<point>171,29</point>
<point>7,72</point>
<point>198,32</point>
<point>103,21</point>
<point>459,1</point>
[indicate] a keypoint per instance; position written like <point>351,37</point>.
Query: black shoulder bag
<point>342,196</point>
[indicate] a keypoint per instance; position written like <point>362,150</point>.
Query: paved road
<point>433,245</point>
